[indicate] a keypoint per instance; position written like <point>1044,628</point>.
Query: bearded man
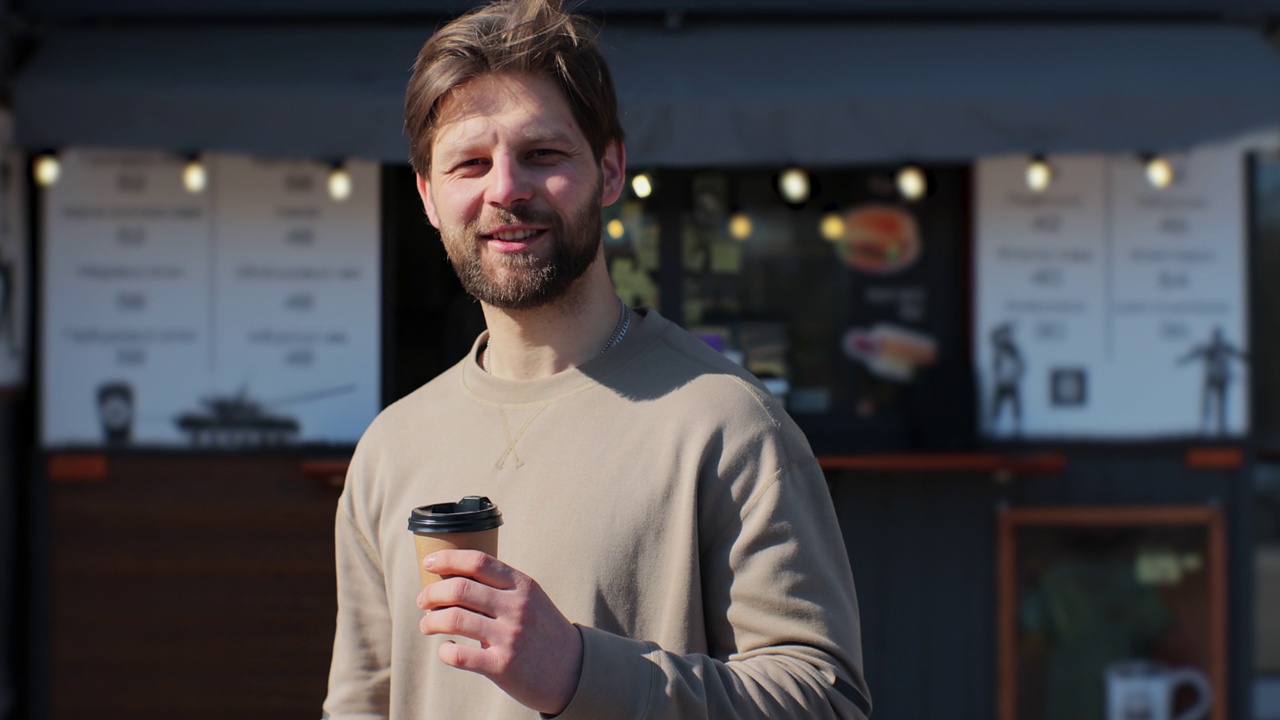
<point>669,548</point>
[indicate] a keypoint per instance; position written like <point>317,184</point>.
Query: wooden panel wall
<point>203,587</point>
<point>192,587</point>
<point>13,529</point>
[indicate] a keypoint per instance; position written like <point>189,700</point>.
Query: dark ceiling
<point>59,11</point>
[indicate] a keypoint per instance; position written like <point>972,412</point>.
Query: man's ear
<point>613,170</point>
<point>429,205</point>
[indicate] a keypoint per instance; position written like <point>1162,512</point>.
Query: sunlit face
<point>515,190</point>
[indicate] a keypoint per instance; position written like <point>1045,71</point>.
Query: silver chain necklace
<point>619,331</point>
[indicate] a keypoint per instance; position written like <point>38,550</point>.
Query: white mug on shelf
<point>1143,690</point>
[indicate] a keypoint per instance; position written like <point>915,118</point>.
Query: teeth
<point>514,235</point>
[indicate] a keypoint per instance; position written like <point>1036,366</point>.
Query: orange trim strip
<point>77,467</point>
<point>1215,458</point>
<point>330,472</point>
<point>1040,463</point>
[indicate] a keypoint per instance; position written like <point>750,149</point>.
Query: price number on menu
<point>131,235</point>
<point>132,356</point>
<point>1175,225</point>
<point>1174,330</point>
<point>1048,277</point>
<point>1173,280</point>
<point>1051,331</point>
<point>300,237</point>
<point>300,302</point>
<point>131,301</point>
<point>300,357</point>
<point>1049,224</point>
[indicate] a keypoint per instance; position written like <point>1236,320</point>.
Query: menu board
<point>245,315</point>
<point>1107,307</point>
<point>14,267</point>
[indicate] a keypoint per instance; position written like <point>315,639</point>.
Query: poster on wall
<point>243,315</point>
<point>1108,307</point>
<point>14,267</point>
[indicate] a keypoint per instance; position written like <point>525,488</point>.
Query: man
<point>669,548</point>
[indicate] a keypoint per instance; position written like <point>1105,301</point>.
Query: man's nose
<point>509,183</point>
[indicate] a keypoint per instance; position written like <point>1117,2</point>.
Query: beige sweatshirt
<point>662,499</point>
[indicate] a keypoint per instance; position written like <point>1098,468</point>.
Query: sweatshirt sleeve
<point>782,625</point>
<point>360,673</point>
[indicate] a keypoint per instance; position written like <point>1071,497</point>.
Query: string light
<point>339,183</point>
<point>1039,174</point>
<point>615,228</point>
<point>46,169</point>
<point>740,226</point>
<point>831,226</point>
<point>641,185</point>
<point>912,183</point>
<point>194,176</point>
<point>1160,172</point>
<point>794,185</point>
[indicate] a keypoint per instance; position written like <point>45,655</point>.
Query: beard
<point>521,281</point>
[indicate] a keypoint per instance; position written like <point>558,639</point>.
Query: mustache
<point>516,215</point>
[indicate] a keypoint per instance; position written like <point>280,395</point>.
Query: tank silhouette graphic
<point>240,421</point>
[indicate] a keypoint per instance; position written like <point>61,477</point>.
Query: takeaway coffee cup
<point>469,524</point>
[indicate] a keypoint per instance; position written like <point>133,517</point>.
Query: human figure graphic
<point>1008,369</point>
<point>1216,355</point>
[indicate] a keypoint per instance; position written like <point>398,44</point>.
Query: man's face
<point>515,190</point>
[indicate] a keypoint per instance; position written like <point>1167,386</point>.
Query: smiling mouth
<point>509,240</point>
<point>513,235</point>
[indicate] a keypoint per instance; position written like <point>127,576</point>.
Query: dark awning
<point>725,94</point>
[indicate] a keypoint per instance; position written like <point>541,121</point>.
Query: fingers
<point>528,648</point>
<point>460,592</point>
<point>459,622</point>
<point>487,661</point>
<point>472,564</point>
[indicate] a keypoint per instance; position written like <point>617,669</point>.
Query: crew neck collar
<point>646,326</point>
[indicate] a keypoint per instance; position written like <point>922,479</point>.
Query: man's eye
<point>544,153</point>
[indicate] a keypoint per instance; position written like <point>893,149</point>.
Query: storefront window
<point>850,304</point>
<point>632,244</point>
<point>847,300</point>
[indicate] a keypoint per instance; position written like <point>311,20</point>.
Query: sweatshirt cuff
<point>617,678</point>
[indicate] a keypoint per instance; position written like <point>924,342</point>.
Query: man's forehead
<point>530,105</point>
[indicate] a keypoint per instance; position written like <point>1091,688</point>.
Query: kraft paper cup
<point>469,524</point>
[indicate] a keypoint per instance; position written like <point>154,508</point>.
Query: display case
<point>1109,613</point>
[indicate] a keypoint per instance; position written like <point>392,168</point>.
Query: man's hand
<point>527,647</point>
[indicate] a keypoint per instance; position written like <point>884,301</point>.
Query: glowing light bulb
<point>194,176</point>
<point>1159,172</point>
<point>615,228</point>
<point>642,186</point>
<point>339,183</point>
<point>794,186</point>
<point>831,227</point>
<point>912,183</point>
<point>740,226</point>
<point>1039,175</point>
<point>46,169</point>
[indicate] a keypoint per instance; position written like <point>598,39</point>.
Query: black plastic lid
<point>470,514</point>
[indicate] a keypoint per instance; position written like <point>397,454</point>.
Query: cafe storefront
<point>1006,382</point>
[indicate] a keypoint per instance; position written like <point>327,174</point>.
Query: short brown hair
<point>516,36</point>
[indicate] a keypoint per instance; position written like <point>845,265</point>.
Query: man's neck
<point>540,342</point>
